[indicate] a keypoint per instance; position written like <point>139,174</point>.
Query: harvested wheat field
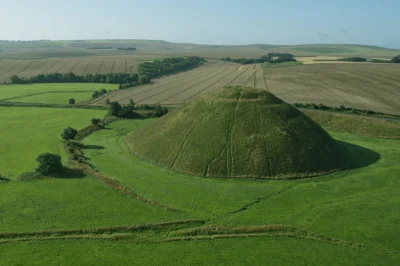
<point>358,85</point>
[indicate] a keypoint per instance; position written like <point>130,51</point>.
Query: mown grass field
<point>368,86</point>
<point>57,93</point>
<point>27,132</point>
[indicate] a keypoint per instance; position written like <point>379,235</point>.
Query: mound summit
<point>238,132</point>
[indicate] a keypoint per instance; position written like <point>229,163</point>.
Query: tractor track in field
<point>39,67</point>
<point>72,68</point>
<point>112,68</point>
<point>208,77</point>
<point>200,91</point>
<point>66,62</point>
<point>99,67</point>
<point>179,79</point>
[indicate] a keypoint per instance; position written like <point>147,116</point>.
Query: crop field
<point>27,132</point>
<point>57,93</point>
<point>185,86</point>
<point>365,86</point>
<point>79,66</point>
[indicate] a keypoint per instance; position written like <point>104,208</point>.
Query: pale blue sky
<point>372,22</point>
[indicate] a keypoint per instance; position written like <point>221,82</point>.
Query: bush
<point>107,101</point>
<point>95,121</point>
<point>396,59</point>
<point>69,133</point>
<point>160,111</point>
<point>114,108</point>
<point>71,101</point>
<point>49,164</point>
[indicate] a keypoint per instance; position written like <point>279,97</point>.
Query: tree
<point>49,163</point>
<point>160,111</point>
<point>71,101</point>
<point>396,59</point>
<point>120,87</point>
<point>107,101</point>
<point>95,94</point>
<point>69,133</point>
<point>103,91</point>
<point>114,108</point>
<point>95,121</point>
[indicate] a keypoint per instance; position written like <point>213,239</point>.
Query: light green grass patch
<point>249,251</point>
<point>76,203</point>
<point>44,93</point>
<point>27,132</point>
<point>55,97</point>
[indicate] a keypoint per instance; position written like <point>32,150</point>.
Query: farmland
<point>358,85</point>
<point>79,66</point>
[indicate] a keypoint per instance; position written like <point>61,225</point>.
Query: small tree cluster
<point>95,121</point>
<point>396,59</point>
<point>160,110</point>
<point>49,164</point>
<point>115,109</point>
<point>99,93</point>
<point>69,133</point>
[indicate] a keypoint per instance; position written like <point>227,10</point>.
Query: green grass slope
<point>238,132</point>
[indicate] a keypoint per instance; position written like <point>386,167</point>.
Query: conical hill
<point>238,132</point>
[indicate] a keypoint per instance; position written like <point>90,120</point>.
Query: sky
<point>369,22</point>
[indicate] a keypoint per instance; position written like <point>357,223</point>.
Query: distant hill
<point>238,132</point>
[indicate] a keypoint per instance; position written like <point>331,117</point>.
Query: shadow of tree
<point>359,157</point>
<point>93,147</point>
<point>70,173</point>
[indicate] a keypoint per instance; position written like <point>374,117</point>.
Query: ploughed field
<point>79,66</point>
<point>363,85</point>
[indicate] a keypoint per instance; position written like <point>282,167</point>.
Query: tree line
<point>147,71</point>
<point>271,58</point>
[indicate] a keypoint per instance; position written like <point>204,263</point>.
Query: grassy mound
<point>238,132</point>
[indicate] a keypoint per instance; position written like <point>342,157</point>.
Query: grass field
<point>363,85</point>
<point>353,213</point>
<point>57,93</point>
<point>28,132</point>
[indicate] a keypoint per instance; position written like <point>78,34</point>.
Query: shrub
<point>114,108</point>
<point>49,164</point>
<point>69,133</point>
<point>396,59</point>
<point>71,101</point>
<point>160,110</point>
<point>107,101</point>
<point>95,121</point>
